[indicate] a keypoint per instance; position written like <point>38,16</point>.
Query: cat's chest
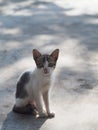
<point>39,83</point>
<point>44,81</point>
<point>45,85</point>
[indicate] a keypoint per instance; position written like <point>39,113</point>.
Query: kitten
<point>33,87</point>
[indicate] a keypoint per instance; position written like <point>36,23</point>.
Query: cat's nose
<point>45,70</point>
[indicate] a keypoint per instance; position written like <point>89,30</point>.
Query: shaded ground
<point>70,25</point>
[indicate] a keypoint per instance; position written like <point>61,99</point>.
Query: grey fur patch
<point>20,90</point>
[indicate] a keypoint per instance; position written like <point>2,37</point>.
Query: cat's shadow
<point>22,122</point>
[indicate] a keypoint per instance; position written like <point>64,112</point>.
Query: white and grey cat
<point>33,87</point>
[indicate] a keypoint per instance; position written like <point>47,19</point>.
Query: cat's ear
<point>36,54</point>
<point>55,54</point>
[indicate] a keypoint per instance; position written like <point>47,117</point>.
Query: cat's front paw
<point>42,115</point>
<point>51,115</point>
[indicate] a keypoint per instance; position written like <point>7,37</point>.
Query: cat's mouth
<point>46,71</point>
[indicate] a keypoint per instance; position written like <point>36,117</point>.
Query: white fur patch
<point>21,102</point>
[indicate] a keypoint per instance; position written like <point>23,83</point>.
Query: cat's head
<point>45,63</point>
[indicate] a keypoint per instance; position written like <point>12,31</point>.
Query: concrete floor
<point>71,26</point>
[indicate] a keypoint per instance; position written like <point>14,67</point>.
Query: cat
<point>33,86</point>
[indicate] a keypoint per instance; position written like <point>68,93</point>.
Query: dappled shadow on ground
<point>77,82</point>
<point>26,25</point>
<point>23,122</point>
<point>43,25</point>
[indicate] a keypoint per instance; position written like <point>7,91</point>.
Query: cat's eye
<point>40,65</point>
<point>51,64</point>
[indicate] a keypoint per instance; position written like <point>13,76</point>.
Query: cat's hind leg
<point>23,106</point>
<point>23,110</point>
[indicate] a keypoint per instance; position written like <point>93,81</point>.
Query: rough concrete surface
<point>71,26</point>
